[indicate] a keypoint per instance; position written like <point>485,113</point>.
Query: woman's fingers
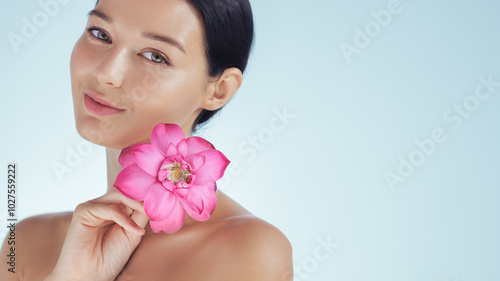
<point>140,218</point>
<point>94,215</point>
<point>116,197</point>
<point>115,207</point>
<point>135,208</point>
<point>103,234</point>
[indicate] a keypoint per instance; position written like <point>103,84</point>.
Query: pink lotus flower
<point>172,175</point>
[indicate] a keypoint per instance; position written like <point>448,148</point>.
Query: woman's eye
<point>155,57</point>
<point>99,34</point>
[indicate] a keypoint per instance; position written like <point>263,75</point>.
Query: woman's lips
<point>98,108</point>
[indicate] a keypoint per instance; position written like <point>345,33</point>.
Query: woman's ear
<point>220,91</point>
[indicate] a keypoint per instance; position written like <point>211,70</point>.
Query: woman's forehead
<point>175,19</point>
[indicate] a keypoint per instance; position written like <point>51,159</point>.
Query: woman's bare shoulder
<point>248,248</point>
<point>248,228</point>
<point>45,222</point>
<point>38,241</point>
<point>46,228</point>
<point>245,247</point>
<point>33,229</point>
<point>232,245</point>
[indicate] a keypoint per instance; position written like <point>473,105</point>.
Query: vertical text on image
<point>11,215</point>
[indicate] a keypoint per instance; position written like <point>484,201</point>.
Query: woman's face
<point>146,60</point>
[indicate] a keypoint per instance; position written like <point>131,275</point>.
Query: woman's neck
<point>113,166</point>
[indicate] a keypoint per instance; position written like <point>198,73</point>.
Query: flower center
<point>176,174</point>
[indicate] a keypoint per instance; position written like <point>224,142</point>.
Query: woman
<point>137,64</point>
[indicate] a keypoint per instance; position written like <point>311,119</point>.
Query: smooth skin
<point>122,60</point>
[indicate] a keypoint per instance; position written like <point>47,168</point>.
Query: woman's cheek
<point>83,58</point>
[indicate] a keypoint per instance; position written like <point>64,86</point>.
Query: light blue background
<point>322,176</point>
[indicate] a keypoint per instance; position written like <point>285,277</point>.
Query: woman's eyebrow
<point>163,38</point>
<point>100,15</point>
<point>148,35</point>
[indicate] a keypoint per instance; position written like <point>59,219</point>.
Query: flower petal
<point>197,144</point>
<point>171,150</point>
<point>126,158</point>
<point>168,185</point>
<point>207,192</point>
<point>159,203</point>
<point>181,192</point>
<point>149,158</point>
<point>215,165</point>
<point>173,223</point>
<point>134,183</point>
<point>196,161</point>
<point>194,205</point>
<point>163,134</point>
<point>182,148</point>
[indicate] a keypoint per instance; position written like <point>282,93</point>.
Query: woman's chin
<point>94,134</point>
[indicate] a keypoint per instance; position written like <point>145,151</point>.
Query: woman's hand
<point>101,237</point>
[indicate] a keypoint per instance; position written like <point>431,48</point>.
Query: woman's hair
<point>228,26</point>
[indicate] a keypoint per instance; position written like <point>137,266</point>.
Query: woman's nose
<point>112,68</point>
